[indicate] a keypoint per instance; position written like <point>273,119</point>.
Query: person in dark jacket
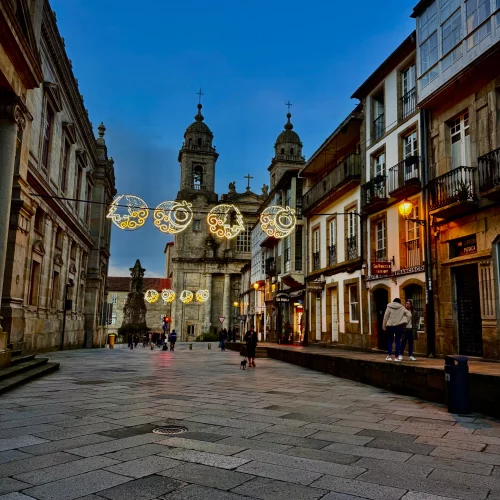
<point>172,338</point>
<point>223,338</point>
<point>410,331</point>
<point>251,342</point>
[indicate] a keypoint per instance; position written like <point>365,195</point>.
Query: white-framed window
<point>451,31</point>
<point>447,7</point>
<point>114,298</point>
<point>288,254</point>
<point>460,141</point>
<point>413,239</point>
<point>379,165</point>
<point>316,241</point>
<point>113,318</point>
<point>288,196</point>
<point>410,144</point>
<point>332,232</point>
<point>429,53</point>
<point>197,225</point>
<point>352,223</point>
<point>479,35</point>
<point>353,303</point>
<point>477,11</point>
<point>408,79</point>
<point>380,240</point>
<point>244,240</point>
<point>427,21</point>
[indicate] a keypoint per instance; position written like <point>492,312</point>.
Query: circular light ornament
<point>129,217</point>
<point>151,296</point>
<point>186,296</point>
<point>278,222</point>
<point>168,296</point>
<point>173,217</point>
<point>202,295</point>
<point>225,221</point>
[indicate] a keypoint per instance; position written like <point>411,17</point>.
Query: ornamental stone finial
<point>101,128</point>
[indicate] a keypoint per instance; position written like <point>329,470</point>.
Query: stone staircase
<point>22,369</point>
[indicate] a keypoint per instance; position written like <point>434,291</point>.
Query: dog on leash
<point>243,364</point>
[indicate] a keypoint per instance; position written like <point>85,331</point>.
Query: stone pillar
<point>11,118</point>
<point>208,304</point>
<point>226,303</point>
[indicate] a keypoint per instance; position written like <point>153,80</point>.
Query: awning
<point>297,293</point>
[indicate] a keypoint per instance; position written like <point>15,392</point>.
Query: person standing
<point>410,333</point>
<point>396,318</point>
<point>172,339</point>
<point>223,338</point>
<point>251,342</point>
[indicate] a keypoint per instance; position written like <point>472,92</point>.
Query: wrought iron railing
<point>352,248</point>
<point>378,127</point>
<point>374,190</point>
<point>454,186</point>
<point>489,170</point>
<point>413,253</point>
<point>405,171</point>
<point>332,255</point>
<point>380,255</point>
<point>349,168</point>
<point>199,187</point>
<point>315,261</point>
<point>408,103</point>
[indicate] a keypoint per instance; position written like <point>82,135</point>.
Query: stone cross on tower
<point>288,105</point>
<point>200,93</point>
<point>248,177</point>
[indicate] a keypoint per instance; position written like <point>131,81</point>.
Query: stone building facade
<point>57,242</point>
<point>458,85</point>
<point>199,259</point>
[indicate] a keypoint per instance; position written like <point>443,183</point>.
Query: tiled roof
<point>123,284</point>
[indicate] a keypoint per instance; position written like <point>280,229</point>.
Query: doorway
<point>335,315</point>
<point>468,307</point>
<point>381,299</point>
<point>318,317</point>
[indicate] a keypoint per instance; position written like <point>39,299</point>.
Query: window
<point>453,56</point>
<point>78,187</point>
<point>114,298</point>
<point>408,77</point>
<point>353,304</point>
<point>479,35</point>
<point>408,88</point>
<point>262,263</point>
<point>447,7</point>
<point>282,151</point>
<point>197,225</point>
<point>89,199</point>
<point>298,248</point>
<point>379,176</point>
<point>460,141</point>
<point>199,141</point>
<point>410,152</point>
<point>291,151</point>
<point>352,238</point>
<point>34,283</point>
<point>65,166</point>
<point>244,240</point>
<point>48,125</point>
<point>416,295</point>
<point>298,197</point>
<point>316,249</point>
<point>451,31</point>
<point>288,196</point>
<point>378,116</point>
<point>332,242</point>
<point>427,21</point>
<point>55,290</point>
<point>39,220</point>
<point>113,318</point>
<point>288,256</point>
<point>429,53</point>
<point>413,240</point>
<point>380,240</point>
<point>164,301</point>
<point>198,177</point>
<point>477,11</point>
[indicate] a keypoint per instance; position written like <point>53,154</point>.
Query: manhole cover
<point>170,429</point>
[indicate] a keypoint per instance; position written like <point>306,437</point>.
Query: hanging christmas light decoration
<point>278,222</point>
<point>186,296</point>
<point>225,221</point>
<point>172,217</point>
<point>151,296</point>
<point>168,295</point>
<point>131,217</point>
<point>202,295</point>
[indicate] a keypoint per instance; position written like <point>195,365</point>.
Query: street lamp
<point>235,304</point>
<point>406,209</point>
<point>68,305</point>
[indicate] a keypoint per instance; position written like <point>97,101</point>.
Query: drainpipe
<point>429,291</point>
<point>305,340</point>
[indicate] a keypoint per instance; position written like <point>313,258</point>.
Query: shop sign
<point>463,246</point>
<point>400,272</point>
<point>315,286</point>
<point>381,268</point>
<point>282,297</point>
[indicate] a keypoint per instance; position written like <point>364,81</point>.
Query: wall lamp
<point>406,209</point>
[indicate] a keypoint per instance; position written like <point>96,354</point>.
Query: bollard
<point>190,347</point>
<point>209,345</point>
<point>456,373</point>
<point>111,340</point>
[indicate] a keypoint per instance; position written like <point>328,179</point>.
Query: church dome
<point>288,136</point>
<point>198,126</point>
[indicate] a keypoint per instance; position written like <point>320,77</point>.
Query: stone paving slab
<point>194,492</point>
<point>292,440</point>
<point>145,488</point>
<point>64,444</point>
<point>8,485</point>
<point>193,444</point>
<point>12,456</point>
<point>279,472</point>
<point>15,496</point>
<point>269,489</point>
<point>254,444</point>
<point>201,457</point>
<point>34,463</point>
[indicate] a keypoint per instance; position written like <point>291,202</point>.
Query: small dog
<point>243,364</point>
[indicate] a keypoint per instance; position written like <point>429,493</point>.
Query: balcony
<point>340,180</point>
<point>332,255</point>
<point>378,127</point>
<point>453,193</point>
<point>316,263</point>
<point>489,175</point>
<point>380,255</point>
<point>351,248</point>
<point>374,194</point>
<point>413,253</point>
<point>408,103</point>
<point>404,178</point>
<point>270,267</point>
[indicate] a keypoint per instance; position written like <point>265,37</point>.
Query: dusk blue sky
<point>140,64</point>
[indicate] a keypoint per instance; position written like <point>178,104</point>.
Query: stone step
<point>21,367</point>
<point>17,359</point>
<point>20,378</point>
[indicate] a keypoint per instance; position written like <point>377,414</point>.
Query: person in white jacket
<point>396,318</point>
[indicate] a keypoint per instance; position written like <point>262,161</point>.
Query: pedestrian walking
<point>136,340</point>
<point>251,342</point>
<point>410,333</point>
<point>130,346</point>
<point>396,318</point>
<point>172,338</point>
<point>223,338</point>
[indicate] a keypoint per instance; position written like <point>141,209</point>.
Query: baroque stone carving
<point>58,261</point>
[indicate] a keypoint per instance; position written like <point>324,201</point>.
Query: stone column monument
<point>134,310</point>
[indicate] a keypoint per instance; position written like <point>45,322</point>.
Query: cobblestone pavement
<point>277,432</point>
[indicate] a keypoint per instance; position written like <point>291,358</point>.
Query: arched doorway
<point>380,299</point>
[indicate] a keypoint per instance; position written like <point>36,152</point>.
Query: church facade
<point>199,259</point>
